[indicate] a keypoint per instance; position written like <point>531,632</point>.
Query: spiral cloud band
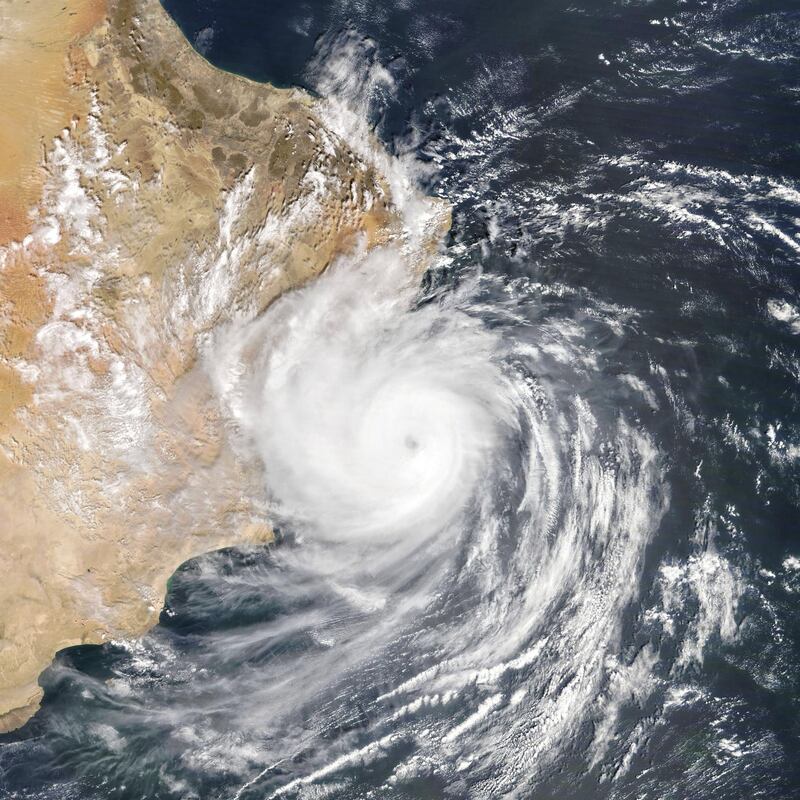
<point>449,477</point>
<point>471,497</point>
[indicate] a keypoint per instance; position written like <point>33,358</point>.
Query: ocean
<point>538,515</point>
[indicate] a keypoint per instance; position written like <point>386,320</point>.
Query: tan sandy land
<point>179,197</point>
<point>37,97</point>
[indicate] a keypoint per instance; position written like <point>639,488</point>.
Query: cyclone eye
<point>411,443</point>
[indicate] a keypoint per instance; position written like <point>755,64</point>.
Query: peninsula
<point>146,198</point>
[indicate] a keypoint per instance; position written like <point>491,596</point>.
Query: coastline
<point>176,197</point>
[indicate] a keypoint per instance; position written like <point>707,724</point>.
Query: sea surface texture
<point>537,507</point>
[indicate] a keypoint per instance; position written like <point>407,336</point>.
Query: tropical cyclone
<point>146,198</point>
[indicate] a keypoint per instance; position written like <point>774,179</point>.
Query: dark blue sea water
<point>628,173</point>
